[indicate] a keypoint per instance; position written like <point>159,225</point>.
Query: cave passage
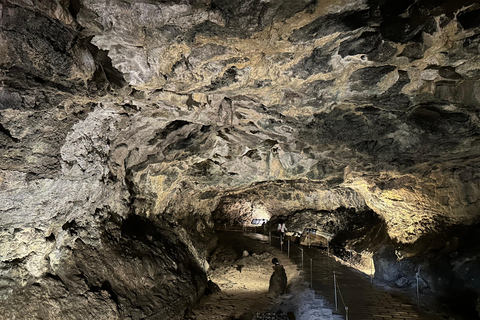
<point>134,132</point>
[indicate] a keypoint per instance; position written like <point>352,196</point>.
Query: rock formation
<point>129,128</point>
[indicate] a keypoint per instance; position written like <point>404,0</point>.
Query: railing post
<point>346,313</point>
<point>311,273</point>
<point>335,289</point>
<point>302,258</point>
<point>418,292</point>
<point>289,248</point>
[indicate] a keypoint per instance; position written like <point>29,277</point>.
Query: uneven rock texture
<point>129,128</point>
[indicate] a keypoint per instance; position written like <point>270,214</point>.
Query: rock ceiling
<point>174,110</point>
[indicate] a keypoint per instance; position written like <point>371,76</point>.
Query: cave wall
<point>187,113</point>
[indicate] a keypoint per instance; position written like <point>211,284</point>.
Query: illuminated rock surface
<point>128,129</point>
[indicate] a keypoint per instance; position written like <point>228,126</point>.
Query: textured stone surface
<point>183,114</point>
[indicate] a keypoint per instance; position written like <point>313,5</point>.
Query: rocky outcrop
<point>129,128</point>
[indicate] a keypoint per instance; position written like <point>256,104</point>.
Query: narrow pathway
<point>300,300</point>
<point>365,300</point>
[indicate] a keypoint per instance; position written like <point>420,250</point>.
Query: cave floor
<point>243,280</point>
<point>365,300</point>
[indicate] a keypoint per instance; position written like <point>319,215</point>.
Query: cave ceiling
<point>178,108</point>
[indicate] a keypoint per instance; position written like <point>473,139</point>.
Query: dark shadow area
<point>105,70</point>
<point>145,269</point>
<point>74,8</point>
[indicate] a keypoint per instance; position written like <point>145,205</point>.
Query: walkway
<point>365,300</point>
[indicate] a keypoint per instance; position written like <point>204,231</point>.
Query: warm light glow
<point>260,212</point>
<point>245,212</point>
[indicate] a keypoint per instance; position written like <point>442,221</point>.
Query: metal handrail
<point>341,296</point>
<point>336,286</point>
<point>333,245</point>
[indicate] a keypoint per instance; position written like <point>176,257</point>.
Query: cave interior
<point>132,130</point>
